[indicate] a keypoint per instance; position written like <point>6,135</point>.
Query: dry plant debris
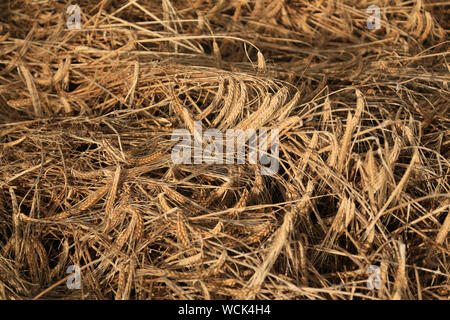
<point>86,176</point>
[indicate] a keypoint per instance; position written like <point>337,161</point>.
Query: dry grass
<point>86,176</point>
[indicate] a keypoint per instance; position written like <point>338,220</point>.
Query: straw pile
<point>86,176</point>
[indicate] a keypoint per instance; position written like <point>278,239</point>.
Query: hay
<point>86,176</point>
